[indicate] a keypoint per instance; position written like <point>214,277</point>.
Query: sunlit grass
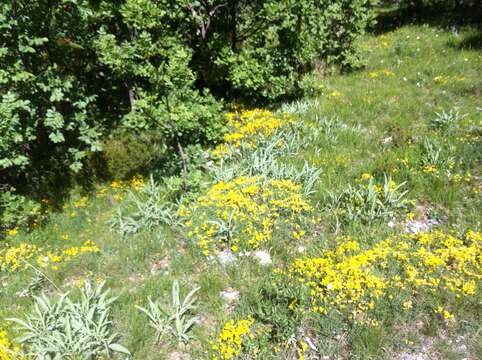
<point>412,73</point>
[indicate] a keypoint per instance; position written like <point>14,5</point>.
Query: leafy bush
<point>46,105</point>
<point>143,80</point>
<point>127,154</point>
<point>259,48</point>
<point>149,55</point>
<point>74,71</point>
<point>65,329</point>
<point>311,85</point>
<point>16,210</point>
<point>67,83</point>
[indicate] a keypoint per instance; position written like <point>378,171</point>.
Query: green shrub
<point>148,55</point>
<point>75,72</point>
<point>127,153</point>
<point>67,329</point>
<point>261,48</point>
<point>46,104</point>
<point>18,211</point>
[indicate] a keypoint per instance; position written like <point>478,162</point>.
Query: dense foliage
<point>74,71</point>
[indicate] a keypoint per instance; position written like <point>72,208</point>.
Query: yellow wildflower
<point>229,342</point>
<point>12,232</point>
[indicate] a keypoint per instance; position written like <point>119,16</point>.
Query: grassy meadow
<point>346,225</point>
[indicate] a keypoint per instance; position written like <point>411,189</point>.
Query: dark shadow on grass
<point>437,16</point>
<point>471,42</point>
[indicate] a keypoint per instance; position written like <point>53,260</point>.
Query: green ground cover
<point>346,225</point>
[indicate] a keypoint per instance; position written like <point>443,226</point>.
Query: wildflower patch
<point>18,257</point>
<point>8,349</point>
<point>246,126</point>
<point>243,213</point>
<point>353,281</point>
<point>228,344</point>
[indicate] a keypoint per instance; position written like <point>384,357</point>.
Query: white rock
<point>263,257</point>
<point>226,257</point>
<point>387,140</point>
<point>230,295</point>
<point>418,226</point>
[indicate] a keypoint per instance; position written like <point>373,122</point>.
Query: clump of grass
<point>367,201</point>
<point>446,120</point>
<point>175,319</point>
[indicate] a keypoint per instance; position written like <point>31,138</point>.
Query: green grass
<point>412,73</point>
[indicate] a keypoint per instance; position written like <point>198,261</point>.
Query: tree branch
<point>205,24</point>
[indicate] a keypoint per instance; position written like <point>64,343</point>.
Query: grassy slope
<point>398,102</point>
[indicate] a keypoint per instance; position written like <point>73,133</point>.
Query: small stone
<point>230,295</point>
<point>179,356</point>
<point>418,226</point>
<point>387,140</point>
<point>226,257</point>
<point>263,257</point>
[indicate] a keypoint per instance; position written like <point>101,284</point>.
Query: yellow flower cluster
<point>12,232</point>
<point>352,280</point>
<point>137,182</point>
<point>243,213</point>
<point>375,74</point>
<point>445,79</point>
<point>229,342</point>
<point>392,185</point>
<point>335,94</point>
<point>81,203</point>
<point>17,257</point>
<point>301,349</point>
<point>119,187</point>
<point>243,126</point>
<point>445,314</point>
<point>448,172</point>
<point>7,348</point>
